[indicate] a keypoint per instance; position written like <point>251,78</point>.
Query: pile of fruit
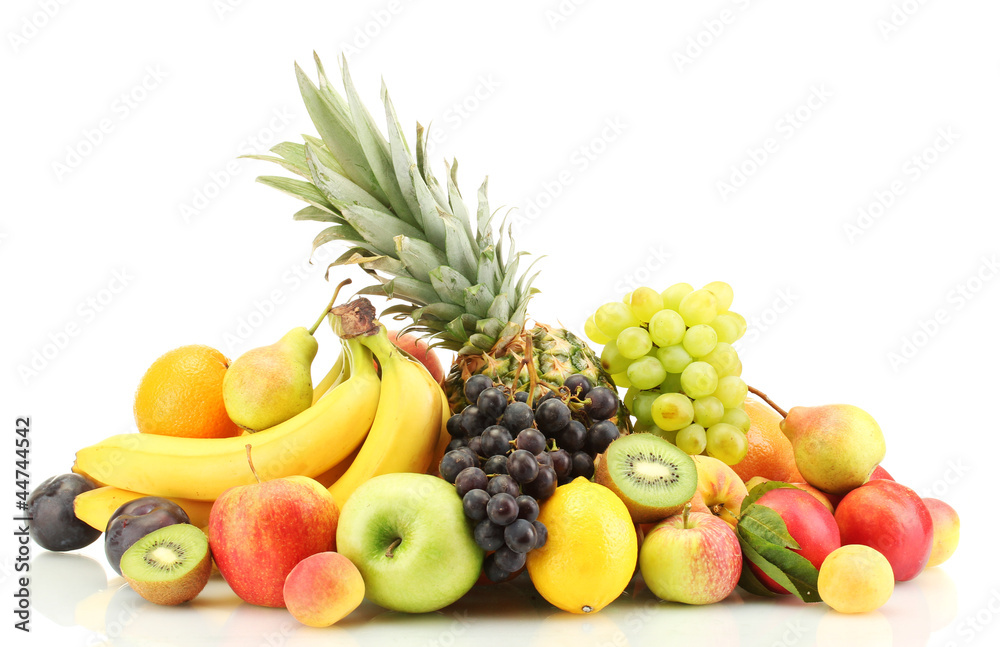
<point>391,481</point>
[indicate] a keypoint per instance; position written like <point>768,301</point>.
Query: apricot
<point>946,527</point>
<point>855,579</point>
<point>323,588</point>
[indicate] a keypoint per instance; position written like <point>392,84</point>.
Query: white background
<point>612,127</point>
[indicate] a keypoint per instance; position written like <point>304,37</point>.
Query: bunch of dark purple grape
<point>505,456</point>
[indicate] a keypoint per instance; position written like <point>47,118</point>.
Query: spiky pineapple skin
<point>557,354</point>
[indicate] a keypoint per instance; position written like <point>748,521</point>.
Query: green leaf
<point>304,191</point>
<point>425,171</point>
<point>500,310</point>
<point>750,583</point>
<point>285,164</point>
<point>450,284</point>
<point>478,299</point>
<point>766,524</point>
<point>419,256</point>
<point>339,137</point>
<point>457,204</point>
<point>378,227</point>
<point>440,311</point>
<point>758,491</point>
<point>457,248</point>
<point>484,236</point>
<point>338,189</point>
<point>376,149</point>
<point>433,226</point>
<point>343,233</point>
<point>795,569</point>
<point>317,214</point>
<point>411,290</point>
<point>401,158</point>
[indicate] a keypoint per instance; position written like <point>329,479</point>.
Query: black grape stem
<point>763,396</point>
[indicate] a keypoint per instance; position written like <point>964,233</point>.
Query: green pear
<point>836,446</point>
<point>270,384</point>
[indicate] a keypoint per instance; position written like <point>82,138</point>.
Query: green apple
<point>409,537</point>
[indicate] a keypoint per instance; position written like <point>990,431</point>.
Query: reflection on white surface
<point>74,591</point>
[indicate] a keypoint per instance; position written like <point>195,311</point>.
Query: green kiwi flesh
<point>649,474</point>
<point>170,565</point>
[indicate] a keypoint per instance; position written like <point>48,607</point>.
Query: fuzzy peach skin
<point>720,490</point>
<point>946,524</point>
<point>855,579</point>
<point>323,588</point>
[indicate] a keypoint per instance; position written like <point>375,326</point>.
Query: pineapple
<point>460,285</point>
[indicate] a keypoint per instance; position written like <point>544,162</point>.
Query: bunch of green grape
<point>673,352</point>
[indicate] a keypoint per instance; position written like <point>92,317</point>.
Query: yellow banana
<point>95,507</point>
<point>308,444</point>
<point>407,426</point>
<point>332,379</point>
<point>443,436</point>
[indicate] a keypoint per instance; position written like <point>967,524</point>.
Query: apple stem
<point>396,542</point>
<point>250,460</point>
<point>685,516</point>
<point>763,396</point>
<point>326,311</point>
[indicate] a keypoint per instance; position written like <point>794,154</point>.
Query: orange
<point>769,452</point>
<point>592,548</point>
<point>181,395</point>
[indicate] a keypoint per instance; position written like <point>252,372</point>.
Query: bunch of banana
<point>359,426</point>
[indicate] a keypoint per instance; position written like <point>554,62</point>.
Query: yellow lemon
<point>592,548</point>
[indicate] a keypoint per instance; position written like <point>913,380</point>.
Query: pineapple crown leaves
<point>414,236</point>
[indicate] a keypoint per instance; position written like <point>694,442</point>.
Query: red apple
<point>809,523</point>
<point>880,473</point>
<point>691,557</point>
<point>259,532</point>
<point>417,346</point>
<point>945,521</point>
<point>720,490</point>
<point>892,519</point>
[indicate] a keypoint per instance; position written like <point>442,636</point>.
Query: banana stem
<point>763,396</point>
<point>326,311</point>
<point>250,460</point>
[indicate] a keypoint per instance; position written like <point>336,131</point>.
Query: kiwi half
<point>650,475</point>
<point>170,565</point>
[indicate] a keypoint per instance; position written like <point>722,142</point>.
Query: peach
<point>720,490</point>
<point>419,349</point>
<point>855,579</point>
<point>323,588</point>
<point>945,521</point>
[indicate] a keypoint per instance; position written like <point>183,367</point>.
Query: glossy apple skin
<point>323,588</point>
<point>408,535</point>
<point>946,526</point>
<point>809,523</point>
<point>892,519</point>
<point>720,490</point>
<point>696,563</point>
<point>259,532</point>
<point>880,473</point>
<point>417,347</point>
